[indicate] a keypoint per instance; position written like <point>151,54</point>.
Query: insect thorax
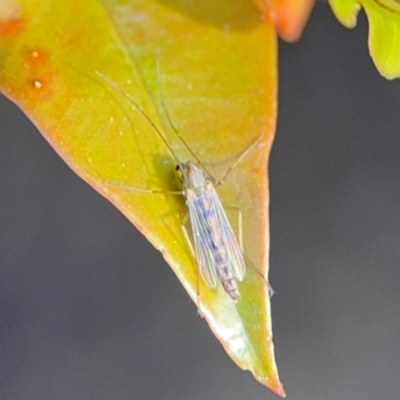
<point>193,177</point>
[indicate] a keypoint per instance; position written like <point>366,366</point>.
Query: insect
<point>217,251</point>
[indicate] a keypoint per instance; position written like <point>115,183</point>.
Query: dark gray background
<point>79,321</point>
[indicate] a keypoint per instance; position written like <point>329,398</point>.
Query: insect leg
<point>238,160</point>
<point>240,239</point>
<point>135,189</point>
<point>186,234</point>
<point>189,242</point>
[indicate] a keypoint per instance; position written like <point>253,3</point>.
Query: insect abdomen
<point>230,287</point>
<point>219,251</point>
<point>228,282</point>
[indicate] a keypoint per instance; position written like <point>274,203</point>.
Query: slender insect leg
<point>135,189</point>
<point>271,290</point>
<point>189,242</point>
<point>186,235</point>
<point>238,160</point>
<point>240,239</point>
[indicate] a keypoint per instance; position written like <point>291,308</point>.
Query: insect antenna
<point>138,108</point>
<point>164,107</point>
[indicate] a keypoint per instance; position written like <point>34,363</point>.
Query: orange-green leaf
<point>288,16</point>
<point>384,30</point>
<point>218,74</point>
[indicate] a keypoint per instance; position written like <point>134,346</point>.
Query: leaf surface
<point>218,76</point>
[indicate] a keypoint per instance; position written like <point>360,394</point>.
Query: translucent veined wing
<point>228,238</point>
<point>204,256</point>
<point>222,236</point>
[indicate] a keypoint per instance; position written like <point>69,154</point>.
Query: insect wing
<point>204,256</point>
<point>228,238</point>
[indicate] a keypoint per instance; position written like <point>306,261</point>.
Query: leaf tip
<point>280,391</point>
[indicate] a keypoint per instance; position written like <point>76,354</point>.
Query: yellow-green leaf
<point>218,74</point>
<point>384,30</point>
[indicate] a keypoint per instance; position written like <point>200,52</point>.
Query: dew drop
<point>37,84</point>
<point>36,58</point>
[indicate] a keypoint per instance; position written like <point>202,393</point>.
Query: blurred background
<point>89,310</point>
